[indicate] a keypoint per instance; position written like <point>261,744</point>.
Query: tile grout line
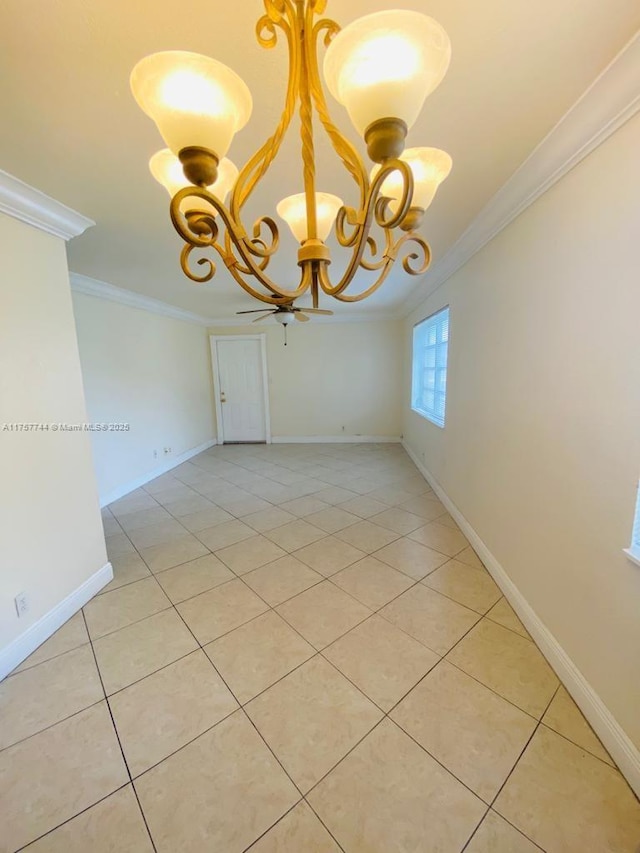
<point>340,847</point>
<point>387,714</point>
<point>269,828</point>
<point>117,733</point>
<point>471,837</point>
<point>319,653</point>
<point>437,760</point>
<point>259,733</point>
<point>19,670</point>
<point>153,672</point>
<point>73,817</point>
<point>187,743</point>
<point>135,621</point>
<point>583,748</point>
<point>486,686</point>
<point>408,734</point>
<point>513,826</point>
<point>240,706</point>
<point>515,765</point>
<point>52,725</point>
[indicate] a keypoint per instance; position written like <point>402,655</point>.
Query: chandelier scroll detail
<point>381,68</point>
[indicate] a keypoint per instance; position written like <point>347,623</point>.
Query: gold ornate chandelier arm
<point>324,281</point>
<point>279,14</point>
<point>425,249</point>
<point>388,261</point>
<point>305,284</point>
<point>207,263</point>
<point>343,148</point>
<point>375,206</point>
<point>258,246</point>
<point>200,229</point>
<point>373,265</point>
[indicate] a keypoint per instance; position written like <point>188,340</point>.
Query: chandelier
<point>380,68</point>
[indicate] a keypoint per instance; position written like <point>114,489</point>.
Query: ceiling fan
<point>285,314</point>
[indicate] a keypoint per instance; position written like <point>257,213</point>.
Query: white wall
<point>332,379</point>
<point>541,449</point>
<point>149,371</point>
<point>51,538</point>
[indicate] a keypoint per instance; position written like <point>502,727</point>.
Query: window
<point>429,378</point>
<point>634,550</point>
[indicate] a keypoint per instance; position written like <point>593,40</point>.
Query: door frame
<point>213,343</point>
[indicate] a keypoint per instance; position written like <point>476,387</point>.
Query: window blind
<point>635,536</point>
<point>429,367</point>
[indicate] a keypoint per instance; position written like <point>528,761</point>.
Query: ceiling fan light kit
<point>285,314</point>
<point>380,68</point>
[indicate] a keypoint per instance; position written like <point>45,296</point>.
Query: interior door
<point>241,391</point>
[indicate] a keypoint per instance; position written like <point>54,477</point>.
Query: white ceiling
<point>72,129</point>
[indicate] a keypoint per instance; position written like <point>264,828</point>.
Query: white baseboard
<point>20,648</point>
<point>123,490</point>
<point>335,439</point>
<point>617,742</point>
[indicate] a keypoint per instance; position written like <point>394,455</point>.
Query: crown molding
<point>103,290</point>
<point>610,101</point>
<point>20,201</point>
<point>380,317</point>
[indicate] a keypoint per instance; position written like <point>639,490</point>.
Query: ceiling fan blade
<point>315,311</point>
<point>264,317</point>
<point>301,317</point>
<point>255,311</point>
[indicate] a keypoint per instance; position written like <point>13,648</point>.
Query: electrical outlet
<point>167,450</point>
<point>22,604</point>
<point>155,454</point>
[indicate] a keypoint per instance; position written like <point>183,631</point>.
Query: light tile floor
<point>301,653</point>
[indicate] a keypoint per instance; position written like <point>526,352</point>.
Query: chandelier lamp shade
<point>293,210</point>
<point>381,68</point>
<point>430,167</point>
<point>167,169</point>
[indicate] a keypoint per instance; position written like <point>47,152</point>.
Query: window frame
<point>415,368</point>
<point>633,551</point>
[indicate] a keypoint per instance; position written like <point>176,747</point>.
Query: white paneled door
<point>240,368</point>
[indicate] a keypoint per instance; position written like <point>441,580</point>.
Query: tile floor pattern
<point>299,652</point>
